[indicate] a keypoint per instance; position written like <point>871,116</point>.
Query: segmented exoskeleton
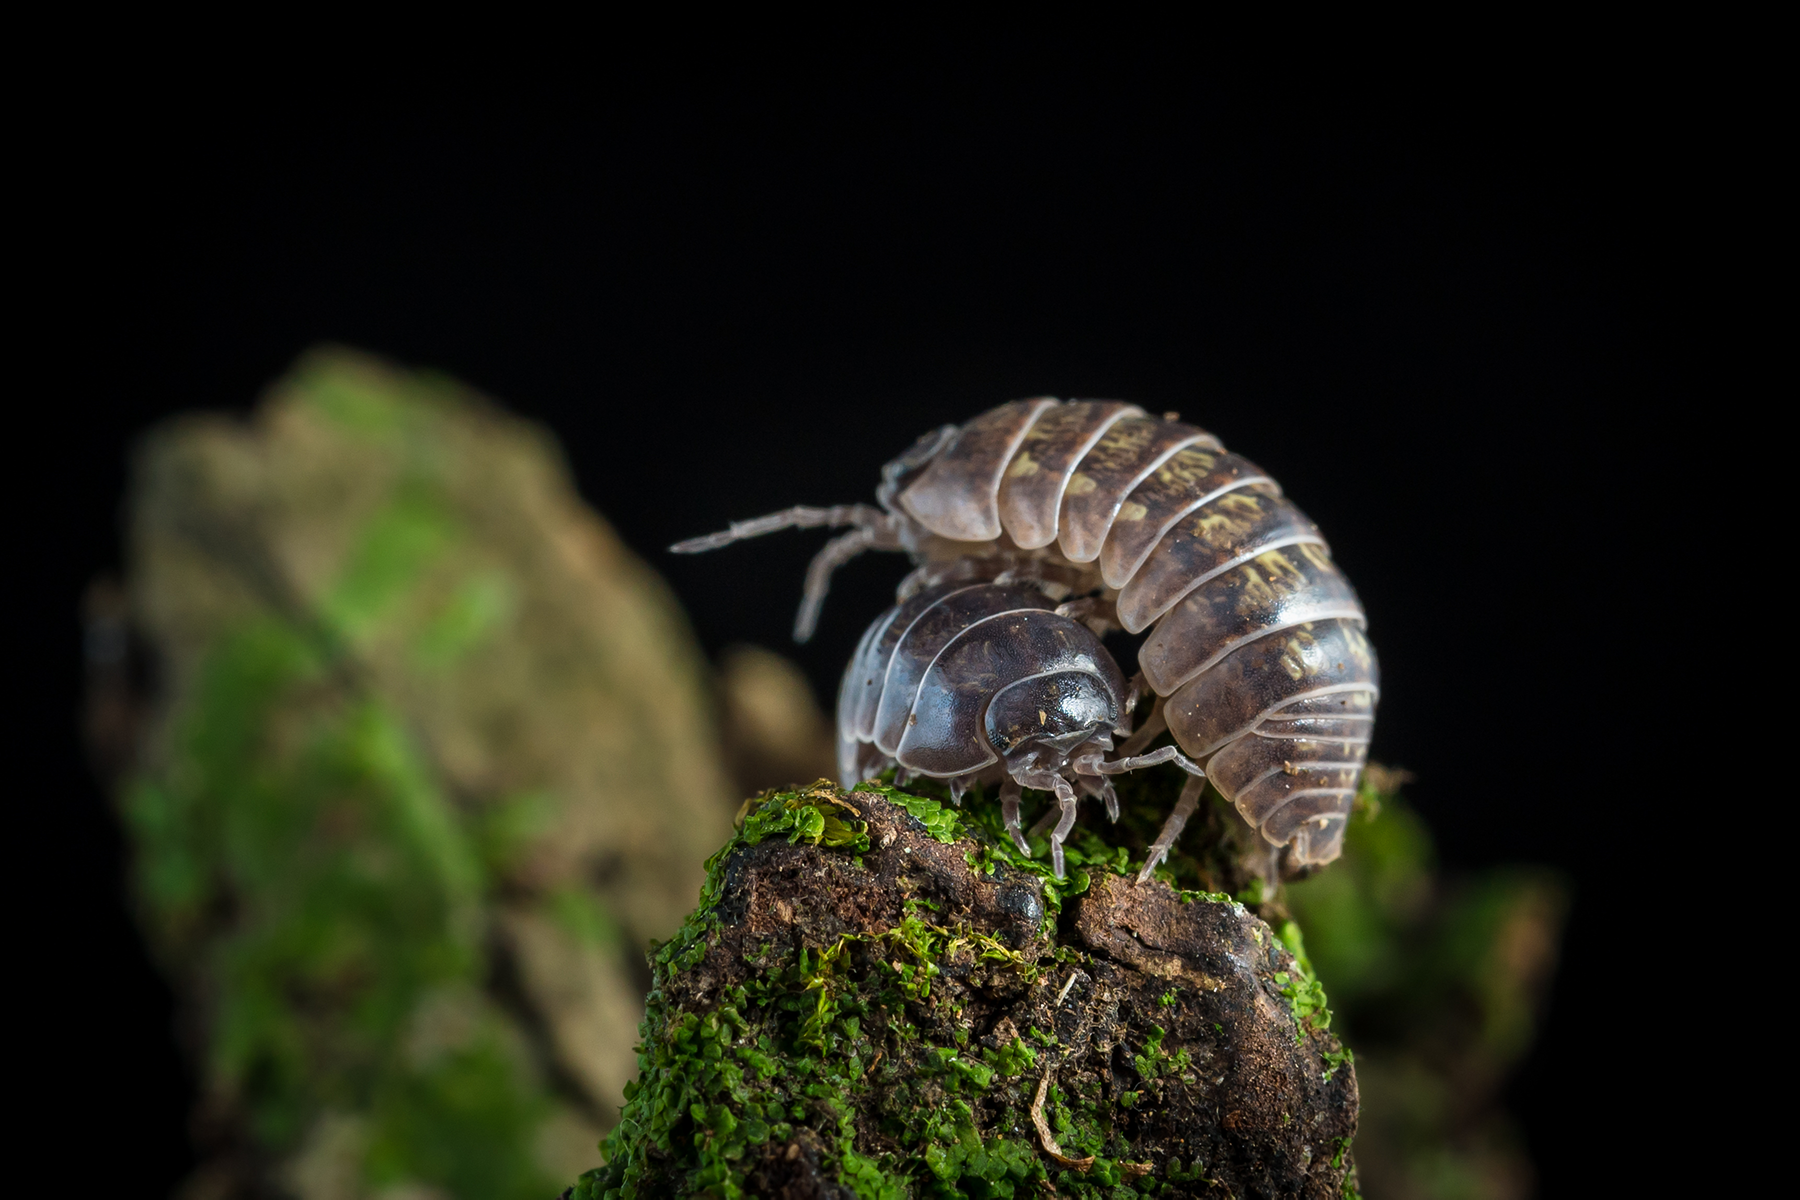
<point>1110,517</point>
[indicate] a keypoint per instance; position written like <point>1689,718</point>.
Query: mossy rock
<point>428,762</point>
<point>879,997</point>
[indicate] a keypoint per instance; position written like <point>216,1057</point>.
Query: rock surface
<point>880,998</point>
<point>428,761</point>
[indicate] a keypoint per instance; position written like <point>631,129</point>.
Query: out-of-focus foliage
<point>430,762</point>
<point>1437,986</point>
<point>775,735</point>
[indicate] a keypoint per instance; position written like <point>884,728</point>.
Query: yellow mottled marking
<point>1300,655</point>
<point>1131,510</point>
<point>1214,524</point>
<point>1124,440</point>
<point>1022,466</point>
<point>1256,592</point>
<point>1080,485</point>
<point>1041,717</point>
<point>1279,565</point>
<point>1318,556</point>
<point>1185,468</point>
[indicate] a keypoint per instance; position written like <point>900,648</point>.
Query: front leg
<point>1065,797</point>
<point>1009,813</point>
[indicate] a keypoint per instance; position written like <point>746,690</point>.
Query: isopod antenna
<point>874,530</point>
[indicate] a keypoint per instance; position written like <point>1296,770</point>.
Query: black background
<point>1423,306</point>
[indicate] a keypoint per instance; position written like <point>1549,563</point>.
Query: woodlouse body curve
<point>1256,647</point>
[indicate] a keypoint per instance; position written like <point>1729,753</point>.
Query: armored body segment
<point>1189,478</point>
<point>1127,452</point>
<point>1257,679</point>
<point>930,634</point>
<point>1287,782</point>
<point>1031,489</point>
<point>1319,728</point>
<point>1262,799</point>
<point>957,495</point>
<point>942,736</point>
<point>1255,757</point>
<point>1218,535</point>
<point>1287,586</point>
<point>1252,682</point>
<point>860,693</point>
<point>1353,705</point>
<point>860,689</point>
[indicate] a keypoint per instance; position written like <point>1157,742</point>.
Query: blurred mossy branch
<point>1438,982</point>
<point>423,760</point>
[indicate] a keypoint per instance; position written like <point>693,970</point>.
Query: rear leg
<point>1099,615</point>
<point>1184,808</point>
<point>869,763</point>
<point>838,551</point>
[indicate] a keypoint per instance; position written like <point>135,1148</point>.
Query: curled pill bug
<point>1040,524</point>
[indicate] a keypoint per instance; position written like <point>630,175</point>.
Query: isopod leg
<point>1134,691</point>
<point>1184,808</point>
<point>1065,809</point>
<point>1153,725</point>
<point>870,763</point>
<point>1097,614</point>
<point>1095,784</point>
<point>837,552</point>
<point>1065,796</point>
<point>1009,812</point>
<point>959,787</point>
<point>1166,754</point>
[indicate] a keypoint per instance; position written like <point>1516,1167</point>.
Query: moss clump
<point>878,996</point>
<point>350,981</point>
<point>418,760</point>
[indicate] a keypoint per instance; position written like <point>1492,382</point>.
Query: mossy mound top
<point>879,997</point>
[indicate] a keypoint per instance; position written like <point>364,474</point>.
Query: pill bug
<point>984,682</point>
<point>1256,649</point>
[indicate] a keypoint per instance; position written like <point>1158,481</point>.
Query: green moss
<point>799,1044</point>
<point>1305,994</point>
<point>357,891</point>
<point>941,822</point>
<point>816,816</point>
